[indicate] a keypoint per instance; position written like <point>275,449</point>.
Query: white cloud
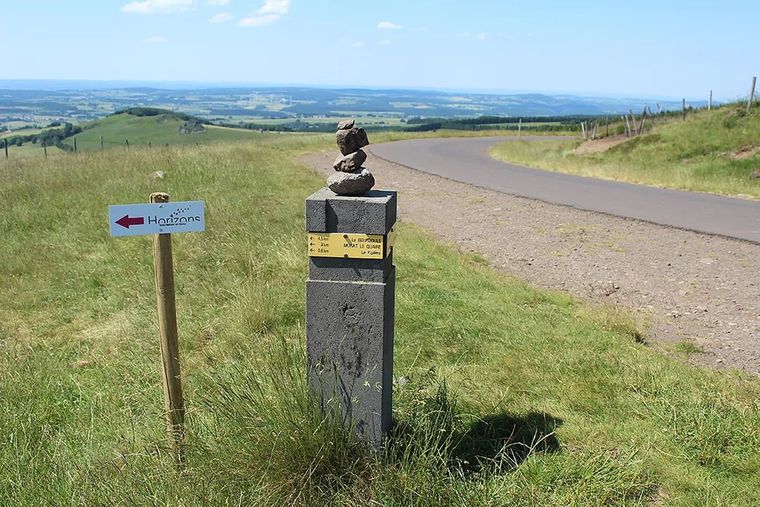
<point>357,45</point>
<point>157,6</point>
<point>156,39</point>
<point>220,18</point>
<point>271,11</point>
<point>258,20</point>
<point>385,42</point>
<point>218,2</point>
<point>387,25</point>
<point>279,7</point>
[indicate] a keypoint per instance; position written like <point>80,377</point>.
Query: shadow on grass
<point>500,442</point>
<point>431,430</point>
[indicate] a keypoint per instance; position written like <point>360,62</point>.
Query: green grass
<point>510,396</point>
<point>698,154</point>
<point>361,119</point>
<point>157,130</point>
<point>29,151</point>
<point>688,347</point>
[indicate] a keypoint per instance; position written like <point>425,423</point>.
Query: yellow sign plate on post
<point>348,246</point>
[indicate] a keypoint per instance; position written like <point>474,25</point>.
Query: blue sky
<point>643,48</point>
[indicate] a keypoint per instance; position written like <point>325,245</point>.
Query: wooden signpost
<point>162,218</point>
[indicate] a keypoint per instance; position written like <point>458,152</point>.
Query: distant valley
<point>31,105</point>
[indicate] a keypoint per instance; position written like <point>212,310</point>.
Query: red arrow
<point>125,221</point>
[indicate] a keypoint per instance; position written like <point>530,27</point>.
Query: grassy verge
<point>707,153</point>
<point>509,395</point>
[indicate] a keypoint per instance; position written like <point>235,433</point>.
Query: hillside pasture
<point>712,151</point>
<point>504,394</point>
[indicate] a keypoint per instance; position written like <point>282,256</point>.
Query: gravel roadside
<point>690,287</point>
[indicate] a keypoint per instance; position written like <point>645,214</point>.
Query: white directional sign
<point>163,218</point>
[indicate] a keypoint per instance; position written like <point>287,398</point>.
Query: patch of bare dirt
<point>690,286</point>
<point>600,145</point>
<point>745,153</point>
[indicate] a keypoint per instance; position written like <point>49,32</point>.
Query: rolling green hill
<point>512,395</point>
<point>712,151</point>
<point>158,130</point>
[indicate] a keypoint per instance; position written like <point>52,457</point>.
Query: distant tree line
<point>50,137</point>
<point>483,120</point>
<point>475,124</point>
<point>154,111</point>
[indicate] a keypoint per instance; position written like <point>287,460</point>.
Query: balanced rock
<point>351,162</point>
<point>346,124</point>
<point>351,139</point>
<point>355,183</point>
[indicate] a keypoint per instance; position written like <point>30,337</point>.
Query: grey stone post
<point>350,306</point>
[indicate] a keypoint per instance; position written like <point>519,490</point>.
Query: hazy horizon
<point>114,84</point>
<point>647,50</point>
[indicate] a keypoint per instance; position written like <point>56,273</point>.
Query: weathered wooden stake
<point>167,323</point>
<point>751,93</point>
<point>633,122</point>
<point>101,142</point>
<point>6,147</point>
<point>44,148</point>
<point>519,128</point>
<point>127,140</point>
<point>683,108</point>
<point>709,102</point>
<point>75,145</point>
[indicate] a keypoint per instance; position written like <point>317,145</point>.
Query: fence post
<point>683,108</point>
<point>6,147</point>
<point>709,102</point>
<point>75,144</point>
<point>127,144</point>
<point>101,142</point>
<point>44,149</point>
<point>751,93</point>
<point>634,126</point>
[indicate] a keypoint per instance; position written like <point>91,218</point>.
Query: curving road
<point>467,160</point>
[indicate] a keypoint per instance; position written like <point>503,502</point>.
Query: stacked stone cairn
<point>350,177</point>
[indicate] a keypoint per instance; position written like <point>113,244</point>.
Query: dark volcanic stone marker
<point>350,308</point>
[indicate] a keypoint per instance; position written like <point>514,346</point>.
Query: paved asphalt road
<point>467,160</point>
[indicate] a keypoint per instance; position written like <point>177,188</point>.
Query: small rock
<point>157,175</point>
<point>351,140</point>
<point>355,183</point>
<point>755,174</point>
<point>346,124</point>
<point>351,162</point>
